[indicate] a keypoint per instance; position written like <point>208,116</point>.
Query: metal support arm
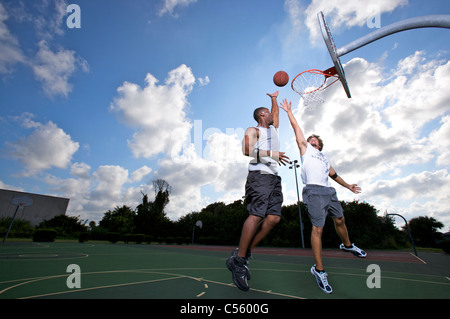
<point>432,21</point>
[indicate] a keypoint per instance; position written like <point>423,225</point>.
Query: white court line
<point>418,258</point>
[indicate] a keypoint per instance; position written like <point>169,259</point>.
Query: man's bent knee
<point>273,219</point>
<point>317,230</point>
<point>339,221</point>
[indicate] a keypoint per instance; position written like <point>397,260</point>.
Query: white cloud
<point>10,187</point>
<point>140,173</point>
<point>80,170</point>
<point>392,137</point>
<point>158,112</point>
<point>46,147</point>
<point>220,166</point>
<point>108,181</point>
<point>413,186</point>
<point>418,194</point>
<point>91,195</point>
<point>48,18</point>
<point>169,6</point>
<point>53,69</point>
<point>345,13</point>
<point>204,81</point>
<point>440,139</point>
<point>10,51</point>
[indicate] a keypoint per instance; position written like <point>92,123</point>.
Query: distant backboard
<point>22,200</point>
<point>328,38</point>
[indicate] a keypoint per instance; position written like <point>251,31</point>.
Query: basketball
<point>281,78</point>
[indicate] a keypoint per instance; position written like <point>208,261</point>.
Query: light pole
<point>294,165</point>
<point>409,233</point>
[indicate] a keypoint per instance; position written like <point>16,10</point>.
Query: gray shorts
<point>321,201</point>
<point>263,194</point>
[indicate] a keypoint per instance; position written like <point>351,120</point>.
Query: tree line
<point>222,225</point>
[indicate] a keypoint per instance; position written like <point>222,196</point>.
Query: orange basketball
<point>281,78</point>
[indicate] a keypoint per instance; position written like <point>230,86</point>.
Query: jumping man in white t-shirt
<point>262,190</point>
<point>320,198</point>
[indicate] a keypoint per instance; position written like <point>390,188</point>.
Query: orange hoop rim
<point>331,72</point>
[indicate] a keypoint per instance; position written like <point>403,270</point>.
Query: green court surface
<point>124,271</point>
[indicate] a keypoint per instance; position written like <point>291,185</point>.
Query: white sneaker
<point>354,250</point>
<point>321,278</point>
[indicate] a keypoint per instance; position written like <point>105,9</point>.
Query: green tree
<point>20,228</point>
<point>424,230</point>
<point>151,218</point>
<point>65,226</point>
<point>120,220</point>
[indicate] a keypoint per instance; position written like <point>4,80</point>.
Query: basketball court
<point>119,271</point>
<point>197,273</point>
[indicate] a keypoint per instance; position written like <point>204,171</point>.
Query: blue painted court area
<point>120,271</point>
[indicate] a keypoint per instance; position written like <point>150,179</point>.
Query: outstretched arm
<point>299,136</point>
<point>275,110</point>
<point>353,187</point>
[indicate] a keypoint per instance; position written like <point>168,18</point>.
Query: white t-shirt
<point>315,167</point>
<point>268,140</point>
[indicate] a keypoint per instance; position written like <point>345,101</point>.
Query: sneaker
<point>321,278</point>
<point>248,256</point>
<point>354,250</point>
<point>238,267</point>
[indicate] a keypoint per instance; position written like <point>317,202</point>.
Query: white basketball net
<point>310,85</point>
<point>313,99</point>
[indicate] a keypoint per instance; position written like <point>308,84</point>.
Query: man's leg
<point>341,230</point>
<point>248,233</point>
<point>238,264</point>
<point>316,244</point>
<point>266,226</point>
<point>317,270</point>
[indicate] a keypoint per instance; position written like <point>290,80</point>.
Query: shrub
<point>148,239</point>
<point>445,245</point>
<point>180,240</point>
<point>20,228</point>
<point>128,238</point>
<point>113,237</point>
<point>46,235</point>
<point>139,238</point>
<point>84,236</point>
<point>170,240</point>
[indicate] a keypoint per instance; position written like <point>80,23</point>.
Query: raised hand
<point>286,105</point>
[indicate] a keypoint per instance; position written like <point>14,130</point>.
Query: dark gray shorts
<point>321,201</point>
<point>263,194</point>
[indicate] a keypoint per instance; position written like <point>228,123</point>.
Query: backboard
<point>328,38</point>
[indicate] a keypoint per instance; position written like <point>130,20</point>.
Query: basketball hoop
<point>311,83</point>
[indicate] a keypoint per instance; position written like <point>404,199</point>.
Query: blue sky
<point>166,88</point>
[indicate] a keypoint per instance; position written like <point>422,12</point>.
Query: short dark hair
<point>258,111</point>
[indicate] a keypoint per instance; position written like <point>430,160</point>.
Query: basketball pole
<point>10,224</point>
<point>432,21</point>
<point>409,232</point>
